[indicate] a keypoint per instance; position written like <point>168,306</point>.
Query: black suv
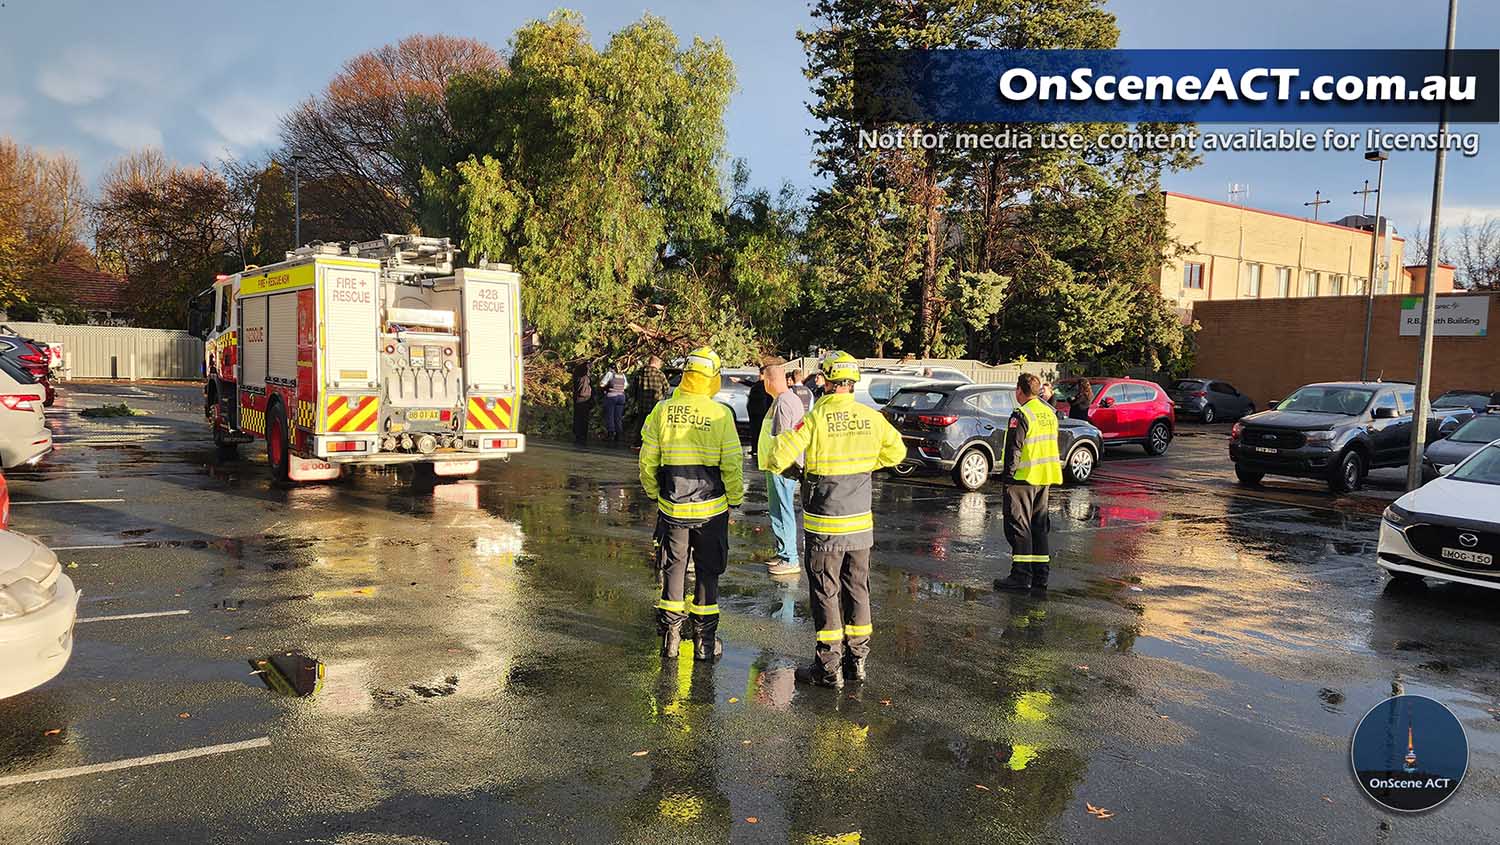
<point>1336,431</point>
<point>960,429</point>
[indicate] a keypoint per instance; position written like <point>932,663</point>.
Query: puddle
<point>289,673</point>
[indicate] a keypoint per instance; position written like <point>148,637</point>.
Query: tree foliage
<point>43,208</point>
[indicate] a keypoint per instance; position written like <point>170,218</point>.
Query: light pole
<point>1364,361</point>
<point>1429,292</point>
<point>296,198</point>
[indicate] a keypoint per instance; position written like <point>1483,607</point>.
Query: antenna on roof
<point>1239,190</point>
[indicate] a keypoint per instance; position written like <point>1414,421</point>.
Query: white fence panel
<point>120,352</point>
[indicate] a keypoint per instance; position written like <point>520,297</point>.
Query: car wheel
<point>278,448</point>
<point>226,449</point>
<point>1248,477</point>
<point>972,469</point>
<point>1208,414</point>
<point>1158,438</point>
<point>905,470</point>
<point>1080,464</point>
<point>1348,473</point>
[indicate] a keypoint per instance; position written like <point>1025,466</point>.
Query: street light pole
<point>1429,293</point>
<point>1364,361</point>
<point>297,200</point>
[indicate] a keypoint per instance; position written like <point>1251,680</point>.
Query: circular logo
<point>1409,753</point>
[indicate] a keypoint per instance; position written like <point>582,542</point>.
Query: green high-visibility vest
<point>1039,464</point>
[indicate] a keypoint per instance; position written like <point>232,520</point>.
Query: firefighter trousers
<point>838,583</point>
<point>1027,521</point>
<point>707,545</point>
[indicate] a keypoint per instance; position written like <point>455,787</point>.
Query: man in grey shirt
<point>786,413</point>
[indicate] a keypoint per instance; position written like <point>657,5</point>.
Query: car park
<point>1333,431</point>
<point>24,436</point>
<point>1209,400</point>
<point>1125,410</point>
<point>1442,455</point>
<point>960,429</point>
<point>35,360</point>
<point>1448,529</point>
<point>38,606</point>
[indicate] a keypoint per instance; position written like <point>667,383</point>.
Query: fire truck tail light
<point>500,443</point>
<point>346,446</point>
<point>445,416</point>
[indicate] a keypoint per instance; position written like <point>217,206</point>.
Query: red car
<point>1125,410</point>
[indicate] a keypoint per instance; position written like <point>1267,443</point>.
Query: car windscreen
<point>1067,391</point>
<point>1348,401</point>
<point>1461,400</point>
<point>916,399</point>
<point>1478,430</point>
<point>1483,466</point>
<point>20,374</point>
<point>1187,384</point>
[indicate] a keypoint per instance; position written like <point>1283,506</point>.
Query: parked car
<point>24,436</point>
<point>33,359</point>
<point>1334,431</point>
<point>38,606</point>
<point>1447,529</point>
<point>1442,455</point>
<point>875,389</point>
<point>1479,400</point>
<point>1125,410</point>
<point>960,429</point>
<point>1209,399</point>
<point>929,373</point>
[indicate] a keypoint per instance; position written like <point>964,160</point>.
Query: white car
<point>24,436</point>
<point>38,606</point>
<point>1449,528</point>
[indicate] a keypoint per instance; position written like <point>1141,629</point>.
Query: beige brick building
<point>1246,253</point>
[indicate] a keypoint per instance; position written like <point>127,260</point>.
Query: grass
<point>120,410</point>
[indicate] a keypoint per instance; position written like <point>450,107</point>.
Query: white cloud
<point>73,86</point>
<point>11,107</point>
<point>243,120</point>
<point>127,133</point>
<point>87,73</point>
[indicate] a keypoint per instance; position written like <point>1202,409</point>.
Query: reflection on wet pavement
<point>290,673</point>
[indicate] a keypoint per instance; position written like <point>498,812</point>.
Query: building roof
<point>93,290</point>
<point>1394,237</point>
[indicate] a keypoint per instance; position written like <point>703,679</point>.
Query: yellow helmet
<point>703,361</point>
<point>840,366</point>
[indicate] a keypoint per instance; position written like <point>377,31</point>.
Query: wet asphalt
<point>475,662</point>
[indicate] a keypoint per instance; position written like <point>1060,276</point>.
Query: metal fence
<point>120,352</point>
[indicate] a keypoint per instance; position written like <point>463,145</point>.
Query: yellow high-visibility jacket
<point>844,442</point>
<point>691,461</point>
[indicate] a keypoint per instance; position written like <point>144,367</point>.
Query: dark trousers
<point>1027,521</point>
<point>707,545</point>
<point>838,584</point>
<point>581,412</point>
<point>614,415</point>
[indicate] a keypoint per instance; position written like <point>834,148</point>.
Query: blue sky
<point>200,78</point>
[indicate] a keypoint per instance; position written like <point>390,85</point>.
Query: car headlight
<point>1319,436</point>
<point>1396,515</point>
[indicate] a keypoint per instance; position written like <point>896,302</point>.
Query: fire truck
<point>376,353</point>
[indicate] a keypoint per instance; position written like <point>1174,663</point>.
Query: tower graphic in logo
<point>1411,752</point>
<point>1394,776</point>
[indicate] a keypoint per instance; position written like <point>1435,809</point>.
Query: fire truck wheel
<point>278,453</point>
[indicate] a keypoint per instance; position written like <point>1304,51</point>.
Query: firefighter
<point>843,442</point>
<point>691,466</point>
<point>1031,465</point>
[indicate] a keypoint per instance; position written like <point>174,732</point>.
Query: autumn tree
<point>43,208</point>
<point>357,143</point>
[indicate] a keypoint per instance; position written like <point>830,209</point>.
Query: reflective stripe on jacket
<point>844,442</point>
<point>691,461</point>
<point>1038,463</point>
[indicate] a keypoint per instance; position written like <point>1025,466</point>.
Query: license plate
<point>421,415</point>
<point>1267,450</point>
<point>1466,556</point>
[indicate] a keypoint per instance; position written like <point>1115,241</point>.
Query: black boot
<point>1039,573</point>
<point>706,643</point>
<point>671,637</point>
<point>813,673</point>
<point>854,669</point>
<point>1019,578</point>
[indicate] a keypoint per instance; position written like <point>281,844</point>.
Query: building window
<point>1252,281</point>
<point>1336,285</point>
<point>1358,285</point>
<point>1283,282</point>
<point>1192,275</point>
<point>1310,282</point>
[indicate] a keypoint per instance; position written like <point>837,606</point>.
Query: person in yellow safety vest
<point>691,465</point>
<point>843,442</point>
<point>1031,465</point>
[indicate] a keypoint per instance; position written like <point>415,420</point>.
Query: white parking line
<point>152,615</point>
<point>68,502</point>
<point>133,762</point>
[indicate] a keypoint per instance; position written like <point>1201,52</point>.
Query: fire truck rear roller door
<point>253,318</point>
<point>281,337</point>
<point>492,331</point>
<point>351,325</point>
